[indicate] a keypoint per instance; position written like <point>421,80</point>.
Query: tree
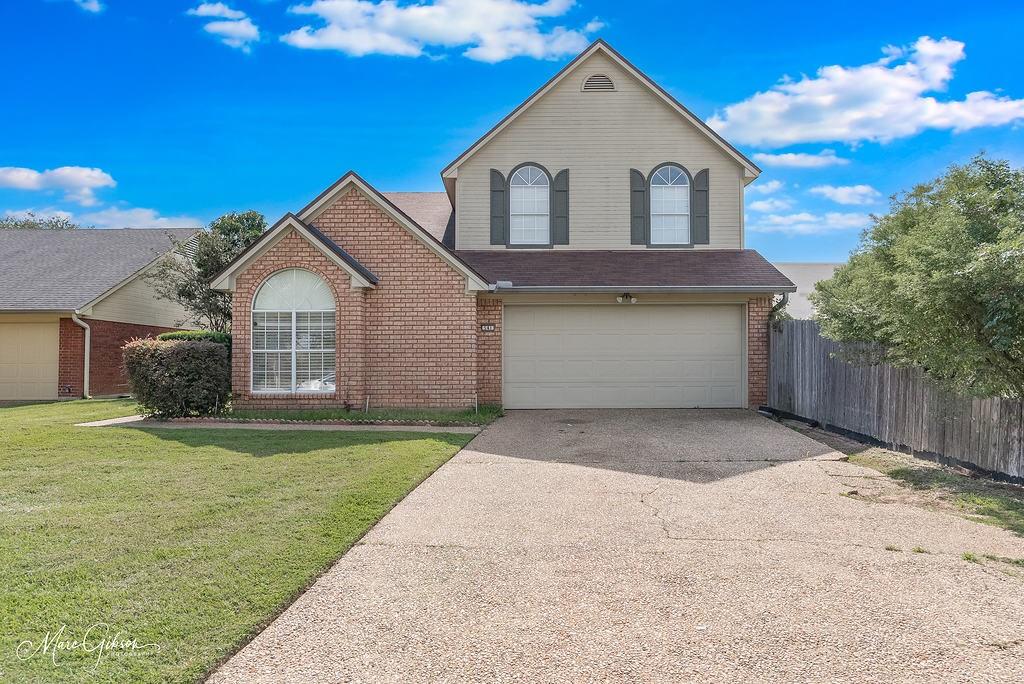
<point>184,276</point>
<point>938,283</point>
<point>30,221</point>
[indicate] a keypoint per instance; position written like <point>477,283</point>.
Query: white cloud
<point>800,160</point>
<point>79,183</point>
<point>489,30</point>
<point>805,223</point>
<point>233,27</point>
<point>879,102</point>
<point>848,194</point>
<point>216,9</point>
<point>772,204</point>
<point>236,34</point>
<point>137,217</point>
<point>766,188</point>
<point>93,6</point>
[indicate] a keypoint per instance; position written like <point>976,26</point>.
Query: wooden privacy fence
<point>897,406</point>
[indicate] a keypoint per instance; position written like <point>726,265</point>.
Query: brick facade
<point>488,351</point>
<point>106,375</point>
<point>410,341</point>
<point>757,351</point>
<point>418,338</point>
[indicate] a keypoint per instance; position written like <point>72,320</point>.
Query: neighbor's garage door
<point>28,361</point>
<point>623,356</point>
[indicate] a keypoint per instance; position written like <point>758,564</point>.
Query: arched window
<point>529,207</point>
<point>293,334</point>
<point>670,206</point>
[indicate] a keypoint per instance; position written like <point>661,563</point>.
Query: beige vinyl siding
<point>599,137</point>
<point>137,302</point>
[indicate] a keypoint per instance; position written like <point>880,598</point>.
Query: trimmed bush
<point>176,378</point>
<point>198,335</point>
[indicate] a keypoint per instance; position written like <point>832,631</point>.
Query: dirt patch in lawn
<point>908,480</point>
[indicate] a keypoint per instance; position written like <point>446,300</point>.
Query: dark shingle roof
<point>704,268</point>
<point>431,210</point>
<point>62,270</point>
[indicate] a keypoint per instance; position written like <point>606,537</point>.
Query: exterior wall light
<point>626,298</point>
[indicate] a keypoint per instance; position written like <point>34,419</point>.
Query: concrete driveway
<point>652,546</point>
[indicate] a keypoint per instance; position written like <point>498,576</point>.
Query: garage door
<point>623,356</point>
<point>28,361</point>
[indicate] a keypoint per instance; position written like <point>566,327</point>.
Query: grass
<point>970,557</point>
<point>187,539</point>
<point>978,499</point>
<point>485,416</point>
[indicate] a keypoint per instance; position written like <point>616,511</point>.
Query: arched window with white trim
<point>670,206</point>
<point>529,207</point>
<point>293,334</point>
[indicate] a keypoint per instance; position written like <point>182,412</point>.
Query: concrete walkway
<point>664,546</point>
<point>143,422</point>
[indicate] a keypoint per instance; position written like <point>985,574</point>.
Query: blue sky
<point>123,112</point>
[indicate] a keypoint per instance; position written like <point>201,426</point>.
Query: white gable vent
<point>598,82</point>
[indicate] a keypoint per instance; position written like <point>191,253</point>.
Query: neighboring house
<point>69,300</point>
<point>588,251</point>
<point>804,276</point>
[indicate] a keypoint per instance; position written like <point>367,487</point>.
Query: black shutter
<point>700,231</point>
<point>560,208</point>
<point>638,208</point>
<point>499,209</point>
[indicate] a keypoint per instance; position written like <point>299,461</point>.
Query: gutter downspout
<point>88,348</point>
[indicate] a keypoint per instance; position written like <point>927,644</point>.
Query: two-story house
<point>588,251</point>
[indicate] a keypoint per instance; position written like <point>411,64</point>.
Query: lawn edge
<point>285,605</point>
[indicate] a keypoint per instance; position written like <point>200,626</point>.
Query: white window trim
<point>687,213</point>
<point>293,351</point>
<point>547,213</point>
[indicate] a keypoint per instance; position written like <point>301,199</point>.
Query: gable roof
<point>359,274</point>
<point>474,280</point>
<point>64,270</point>
<point>431,210</point>
<point>599,45</point>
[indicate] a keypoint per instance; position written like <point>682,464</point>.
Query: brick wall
<point>488,352</point>
<point>293,251</point>
<point>71,357</point>
<point>106,375</point>
<point>757,351</point>
<point>410,341</point>
<point>421,332</point>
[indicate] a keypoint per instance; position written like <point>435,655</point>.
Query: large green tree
<point>938,282</point>
<point>184,276</point>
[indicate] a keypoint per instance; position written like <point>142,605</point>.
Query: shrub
<point>199,335</point>
<point>175,378</point>
<point>206,335</point>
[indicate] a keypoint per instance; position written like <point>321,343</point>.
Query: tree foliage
<point>184,276</point>
<point>30,221</point>
<point>938,282</point>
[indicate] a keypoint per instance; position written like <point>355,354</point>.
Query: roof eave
<point>667,289</point>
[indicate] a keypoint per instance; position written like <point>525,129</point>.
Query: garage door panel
<point>577,356</point>
<point>28,361</point>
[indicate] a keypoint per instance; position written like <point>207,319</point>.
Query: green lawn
<point>187,539</point>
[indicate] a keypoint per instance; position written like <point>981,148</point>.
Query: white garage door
<point>28,361</point>
<point>623,356</point>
